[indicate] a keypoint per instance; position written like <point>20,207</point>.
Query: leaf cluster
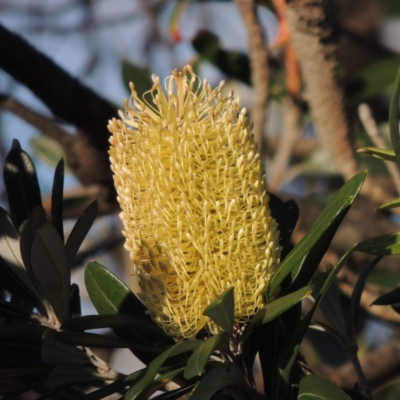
<point>47,344</point>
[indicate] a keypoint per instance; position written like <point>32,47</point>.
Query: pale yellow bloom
<point>194,202</point>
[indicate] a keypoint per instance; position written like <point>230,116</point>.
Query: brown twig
<point>370,126</point>
<point>81,157</point>
<point>259,66</point>
<point>288,139</point>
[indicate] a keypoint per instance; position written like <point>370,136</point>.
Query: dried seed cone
<point>194,203</point>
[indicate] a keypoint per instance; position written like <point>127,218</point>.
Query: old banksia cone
<point>194,202</point>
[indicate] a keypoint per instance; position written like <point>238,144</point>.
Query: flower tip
<point>132,87</point>
<point>155,78</point>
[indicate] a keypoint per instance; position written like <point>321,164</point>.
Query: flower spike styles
<point>194,202</point>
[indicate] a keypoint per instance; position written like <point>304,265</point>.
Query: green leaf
<point>277,307</point>
<point>36,219</point>
<point>374,79</point>
<point>289,353</point>
<point>201,356</point>
<point>286,215</point>
<point>313,387</point>
<point>21,184</point>
<point>394,114</point>
<point>111,296</point>
<point>57,199</point>
<point>108,321</point>
<point>390,204</point>
<point>382,154</point>
<point>51,268</point>
<point>310,250</point>
<point>12,267</point>
<point>139,76</point>
<point>389,298</point>
<point>219,378</point>
<point>153,368</point>
<point>234,64</point>
<point>331,304</point>
<point>80,230</point>
<point>359,287</point>
<point>159,383</point>
<point>75,301</point>
<point>388,244</point>
<point>221,310</point>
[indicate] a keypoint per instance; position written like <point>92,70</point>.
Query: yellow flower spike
<point>194,202</point>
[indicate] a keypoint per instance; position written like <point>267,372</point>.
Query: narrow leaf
<point>111,296</point>
<point>21,184</point>
<point>219,378</point>
<point>139,76</point>
<point>57,199</point>
<point>154,367</point>
<point>390,204</point>
<point>331,304</point>
<point>389,298</point>
<point>12,263</point>
<point>318,238</point>
<point>51,268</point>
<point>221,310</point>
<point>374,79</point>
<point>313,387</point>
<point>383,154</point>
<point>76,311</point>
<point>388,244</point>
<point>80,230</point>
<point>359,287</point>
<point>233,64</point>
<point>160,382</point>
<point>201,355</point>
<point>277,307</point>
<point>290,352</point>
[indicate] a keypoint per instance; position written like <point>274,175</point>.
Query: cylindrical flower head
<point>194,202</point>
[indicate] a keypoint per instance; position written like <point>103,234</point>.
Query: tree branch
<point>259,66</point>
<point>67,99</point>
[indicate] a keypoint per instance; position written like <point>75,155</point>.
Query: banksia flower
<point>194,202</point>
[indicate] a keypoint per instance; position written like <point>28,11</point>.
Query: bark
<point>314,42</point>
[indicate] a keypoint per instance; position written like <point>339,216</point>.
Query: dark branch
<point>64,95</point>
